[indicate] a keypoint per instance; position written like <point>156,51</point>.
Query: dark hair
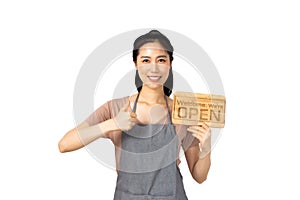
<point>154,36</point>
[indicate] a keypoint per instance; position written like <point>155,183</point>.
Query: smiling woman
<point>142,49</point>
<point>146,141</point>
<point>153,64</point>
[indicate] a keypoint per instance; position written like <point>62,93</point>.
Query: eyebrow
<point>164,56</point>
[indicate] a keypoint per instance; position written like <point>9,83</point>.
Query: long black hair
<point>154,36</point>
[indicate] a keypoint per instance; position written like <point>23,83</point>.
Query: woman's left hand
<point>201,132</point>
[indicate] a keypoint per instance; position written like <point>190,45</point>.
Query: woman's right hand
<point>125,119</point>
<point>84,134</point>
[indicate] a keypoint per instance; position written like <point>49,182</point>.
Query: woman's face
<point>153,64</point>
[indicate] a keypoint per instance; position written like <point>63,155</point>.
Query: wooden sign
<point>194,109</point>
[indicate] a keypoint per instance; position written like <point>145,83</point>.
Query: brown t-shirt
<point>111,108</point>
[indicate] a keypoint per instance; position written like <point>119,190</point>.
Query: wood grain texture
<point>195,108</point>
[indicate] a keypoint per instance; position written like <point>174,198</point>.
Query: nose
<point>154,67</point>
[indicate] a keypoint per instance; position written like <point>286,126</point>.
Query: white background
<point>254,44</point>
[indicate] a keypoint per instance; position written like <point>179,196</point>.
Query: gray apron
<point>148,169</point>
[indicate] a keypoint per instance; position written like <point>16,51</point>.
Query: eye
<point>161,60</point>
<point>145,60</point>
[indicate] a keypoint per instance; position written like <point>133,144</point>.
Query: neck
<point>152,95</point>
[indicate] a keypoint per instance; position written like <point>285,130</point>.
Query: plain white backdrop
<point>254,45</point>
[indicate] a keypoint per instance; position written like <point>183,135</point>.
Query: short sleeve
<point>108,111</point>
<point>187,139</point>
<point>103,113</point>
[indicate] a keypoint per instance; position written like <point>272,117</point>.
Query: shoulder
<point>170,104</point>
<point>118,101</point>
<point>106,111</point>
<point>170,100</point>
<point>114,105</point>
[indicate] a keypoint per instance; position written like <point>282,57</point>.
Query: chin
<point>154,85</point>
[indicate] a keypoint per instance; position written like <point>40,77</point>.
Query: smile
<point>154,78</point>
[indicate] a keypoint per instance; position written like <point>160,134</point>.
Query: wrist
<point>107,126</point>
<point>205,149</point>
<point>203,154</point>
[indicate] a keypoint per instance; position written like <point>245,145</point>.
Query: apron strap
<point>135,105</point>
<point>169,114</point>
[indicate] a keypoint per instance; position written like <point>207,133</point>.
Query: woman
<point>146,142</point>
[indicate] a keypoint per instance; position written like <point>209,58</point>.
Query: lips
<point>154,78</point>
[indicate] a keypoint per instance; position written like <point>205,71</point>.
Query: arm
<point>198,157</point>
<point>85,134</point>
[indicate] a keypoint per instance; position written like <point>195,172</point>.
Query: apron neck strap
<point>135,105</point>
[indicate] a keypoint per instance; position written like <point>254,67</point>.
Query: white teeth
<point>154,78</point>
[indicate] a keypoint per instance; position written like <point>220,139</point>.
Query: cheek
<point>165,71</point>
<point>142,70</point>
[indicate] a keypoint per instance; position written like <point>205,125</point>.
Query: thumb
<point>125,107</point>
